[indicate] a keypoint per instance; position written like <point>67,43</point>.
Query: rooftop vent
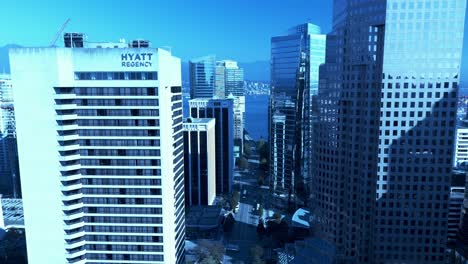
<point>73,40</point>
<point>140,43</point>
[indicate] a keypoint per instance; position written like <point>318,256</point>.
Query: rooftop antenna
<point>52,44</point>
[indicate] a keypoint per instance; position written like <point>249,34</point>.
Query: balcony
<point>67,127</point>
<point>70,177</point>
<point>68,147</point>
<point>65,107</point>
<point>71,197</point>
<point>75,243</point>
<point>73,216</point>
<point>75,235</point>
<point>66,117</point>
<point>69,157</point>
<point>68,137</point>
<point>70,167</point>
<point>71,187</point>
<point>65,96</point>
<point>76,254</point>
<point>72,206</point>
<point>79,224</point>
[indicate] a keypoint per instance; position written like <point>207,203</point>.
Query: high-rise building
<point>100,142</point>
<point>9,171</point>
<point>278,138</point>
<point>295,60</point>
<point>7,114</point>
<point>239,120</point>
<point>281,167</point>
<point>233,77</point>
<point>200,161</point>
<point>388,103</point>
<point>457,197</point>
<point>461,147</point>
<point>222,111</point>
<point>202,77</point>
<point>220,89</point>
<point>233,84</point>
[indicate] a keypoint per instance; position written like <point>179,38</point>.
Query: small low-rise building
<point>203,222</point>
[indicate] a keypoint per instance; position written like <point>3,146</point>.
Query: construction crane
<point>52,44</point>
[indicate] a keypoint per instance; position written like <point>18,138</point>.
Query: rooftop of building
<point>301,218</point>
<point>210,58</point>
<point>191,120</point>
<point>203,217</point>
<point>13,212</point>
<point>312,250</point>
<point>80,40</point>
<point>308,28</point>
<point>208,99</point>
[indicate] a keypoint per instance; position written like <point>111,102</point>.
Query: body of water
<point>256,115</point>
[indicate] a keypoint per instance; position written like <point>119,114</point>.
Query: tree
<point>234,203</point>
<point>228,225</point>
<point>277,217</point>
<point>234,200</point>
<point>262,149</point>
<point>209,260</point>
<point>247,149</point>
<point>261,229</point>
<point>260,211</point>
<point>279,231</point>
<point>236,195</point>
<point>13,247</point>
<point>257,253</point>
<point>452,256</point>
<point>260,180</point>
<point>209,252</point>
<point>243,163</point>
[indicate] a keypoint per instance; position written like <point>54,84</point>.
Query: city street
<point>244,232</point>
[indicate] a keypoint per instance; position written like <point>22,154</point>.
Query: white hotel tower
<point>100,144</point>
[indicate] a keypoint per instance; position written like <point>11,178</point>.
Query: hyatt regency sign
<point>135,60</point>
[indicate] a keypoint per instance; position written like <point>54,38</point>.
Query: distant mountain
<point>4,60</point>
<point>253,71</point>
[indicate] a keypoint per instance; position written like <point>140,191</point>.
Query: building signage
<point>135,60</point>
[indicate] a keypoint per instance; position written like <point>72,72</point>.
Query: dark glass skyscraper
<point>295,58</point>
<point>388,101</point>
<point>9,169</point>
<point>202,77</point>
<point>222,111</point>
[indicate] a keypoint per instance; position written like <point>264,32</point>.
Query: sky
<point>239,30</point>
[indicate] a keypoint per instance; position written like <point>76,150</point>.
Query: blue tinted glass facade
<point>202,77</point>
<point>387,97</point>
<point>295,58</point>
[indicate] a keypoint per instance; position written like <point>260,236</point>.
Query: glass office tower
<point>233,78</point>
<point>202,77</point>
<point>232,83</point>
<point>9,171</point>
<point>222,111</point>
<point>388,101</point>
<point>295,59</point>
